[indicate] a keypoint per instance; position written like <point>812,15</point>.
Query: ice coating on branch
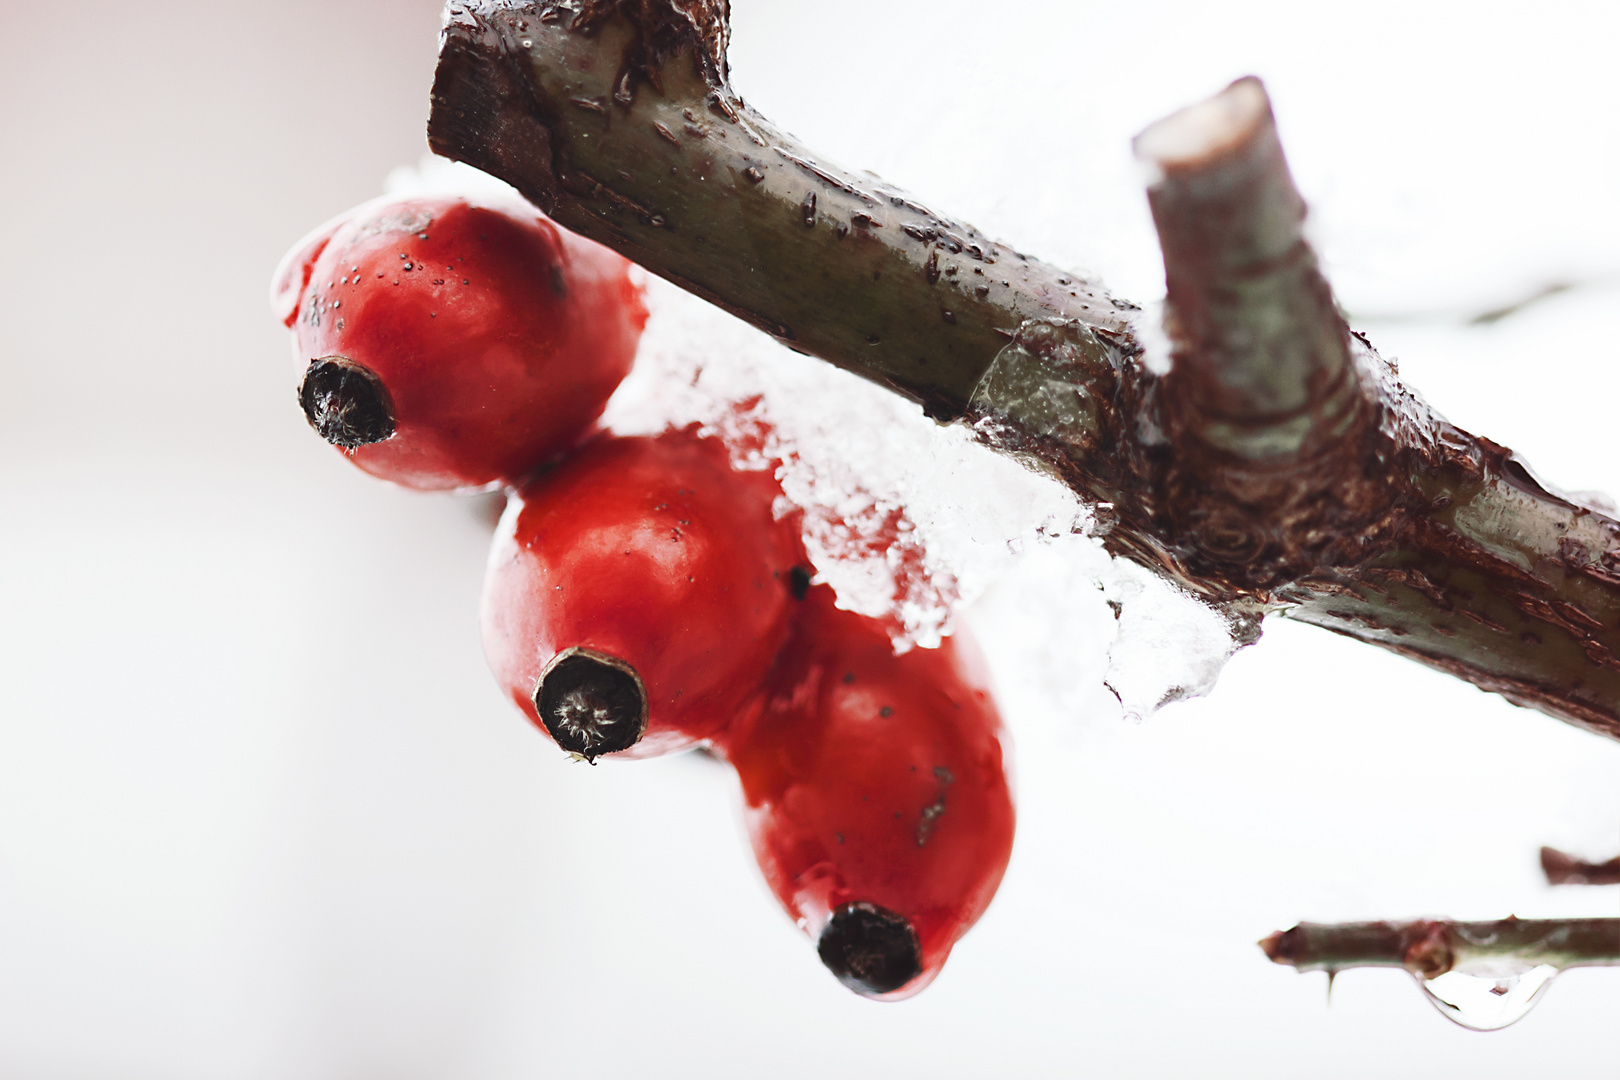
<point>889,520</point>
<point>1489,996</point>
<point>909,520</point>
<point>1169,647</point>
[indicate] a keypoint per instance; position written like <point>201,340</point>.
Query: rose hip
<point>875,795</point>
<point>455,343</point>
<point>637,594</point>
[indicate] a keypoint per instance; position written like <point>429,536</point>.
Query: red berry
<point>638,593</point>
<point>451,343</point>
<point>875,795</point>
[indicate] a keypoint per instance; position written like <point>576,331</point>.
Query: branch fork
<point>1279,467</point>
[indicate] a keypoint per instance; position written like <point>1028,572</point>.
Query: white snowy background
<point>263,813</point>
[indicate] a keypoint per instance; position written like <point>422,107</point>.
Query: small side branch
<point>1262,361</point>
<point>1429,948</point>
<point>1562,869</point>
<point>1279,465</point>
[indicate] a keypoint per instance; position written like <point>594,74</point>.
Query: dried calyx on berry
<point>591,703</point>
<point>346,403</point>
<point>871,949</point>
<point>455,342</point>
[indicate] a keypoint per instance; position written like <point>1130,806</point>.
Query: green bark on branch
<point>1278,467</point>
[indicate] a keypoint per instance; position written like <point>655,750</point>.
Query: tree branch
<point>1562,869</point>
<point>1431,947</point>
<point>1278,467</point>
<point>644,147</point>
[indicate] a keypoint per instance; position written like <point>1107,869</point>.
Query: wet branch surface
<point>1279,467</point>
<point>1431,947</point>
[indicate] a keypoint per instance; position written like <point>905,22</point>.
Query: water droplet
<point>1488,997</point>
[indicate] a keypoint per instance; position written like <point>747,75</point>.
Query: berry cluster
<point>643,595</point>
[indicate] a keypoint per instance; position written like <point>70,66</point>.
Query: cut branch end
<point>1198,134</point>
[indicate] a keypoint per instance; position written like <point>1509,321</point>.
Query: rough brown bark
<point>1279,467</point>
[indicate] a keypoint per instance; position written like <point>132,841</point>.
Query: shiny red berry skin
<point>456,343</point>
<point>666,567</point>
<point>876,795</point>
